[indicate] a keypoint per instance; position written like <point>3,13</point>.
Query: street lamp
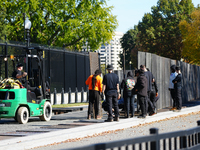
<point>130,63</point>
<point>27,27</point>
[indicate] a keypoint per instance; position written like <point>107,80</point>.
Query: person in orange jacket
<point>95,89</point>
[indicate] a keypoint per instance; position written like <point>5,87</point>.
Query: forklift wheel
<point>47,112</point>
<point>22,115</point>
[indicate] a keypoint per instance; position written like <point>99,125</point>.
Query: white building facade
<point>109,53</point>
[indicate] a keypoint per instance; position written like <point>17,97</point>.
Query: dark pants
<point>129,101</point>
<point>173,95</point>
<point>94,97</point>
<point>142,101</point>
<point>178,99</point>
<point>149,106</point>
<point>112,103</point>
<point>152,98</point>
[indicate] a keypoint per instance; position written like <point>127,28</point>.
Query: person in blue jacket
<point>177,87</point>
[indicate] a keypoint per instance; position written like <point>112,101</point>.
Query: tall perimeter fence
<point>160,68</point>
<point>66,71</point>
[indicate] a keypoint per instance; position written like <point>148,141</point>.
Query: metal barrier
<point>185,139</point>
<point>69,97</point>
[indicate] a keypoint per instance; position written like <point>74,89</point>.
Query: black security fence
<point>179,140</point>
<point>63,69</point>
<point>160,67</point>
<point>67,70</point>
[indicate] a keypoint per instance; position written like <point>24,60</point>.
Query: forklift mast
<point>29,69</point>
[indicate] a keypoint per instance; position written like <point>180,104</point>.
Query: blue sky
<point>130,12</point>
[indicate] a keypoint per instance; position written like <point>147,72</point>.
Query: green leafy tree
<point>68,23</point>
<point>190,30</point>
<point>159,32</point>
<point>128,42</point>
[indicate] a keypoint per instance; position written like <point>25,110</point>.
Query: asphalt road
<point>10,125</point>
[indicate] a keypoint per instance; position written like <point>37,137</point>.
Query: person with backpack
<point>127,85</point>
<point>95,88</point>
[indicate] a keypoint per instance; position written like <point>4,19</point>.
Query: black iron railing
<point>185,139</point>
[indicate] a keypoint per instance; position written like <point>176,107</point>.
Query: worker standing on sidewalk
<point>95,88</point>
<point>171,85</point>
<point>128,84</point>
<point>177,88</point>
<point>141,90</point>
<point>111,89</point>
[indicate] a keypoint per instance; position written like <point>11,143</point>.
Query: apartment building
<point>109,53</point>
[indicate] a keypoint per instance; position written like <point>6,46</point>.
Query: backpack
<point>130,83</point>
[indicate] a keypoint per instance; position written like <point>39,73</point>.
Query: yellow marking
<point>33,101</point>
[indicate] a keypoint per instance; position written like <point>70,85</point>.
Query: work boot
<point>89,117</point>
<point>151,114</point>
<point>109,120</point>
<point>98,117</point>
<point>116,119</point>
<point>174,108</point>
<point>142,116</point>
<point>177,110</point>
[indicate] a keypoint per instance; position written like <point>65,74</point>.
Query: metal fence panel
<point>160,67</point>
<point>57,71</point>
<point>148,61</point>
<point>80,65</point>
<point>70,71</point>
<point>166,77</point>
<point>141,58</point>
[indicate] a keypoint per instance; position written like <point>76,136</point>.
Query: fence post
<point>76,95</point>
<point>82,95</point>
<point>154,145</point>
<point>198,134</point>
<point>62,96</point>
<point>100,146</point>
<point>55,97</point>
<point>69,96</point>
<point>183,142</point>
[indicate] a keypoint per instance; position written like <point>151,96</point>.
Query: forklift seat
<point>31,97</point>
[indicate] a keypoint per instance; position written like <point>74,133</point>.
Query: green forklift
<point>19,103</point>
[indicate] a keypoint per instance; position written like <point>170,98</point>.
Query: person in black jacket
<point>149,106</point>
<point>177,88</point>
<point>127,85</point>
<point>141,90</point>
<point>154,93</point>
<point>111,89</point>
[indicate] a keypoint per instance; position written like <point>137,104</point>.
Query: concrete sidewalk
<point>53,137</point>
